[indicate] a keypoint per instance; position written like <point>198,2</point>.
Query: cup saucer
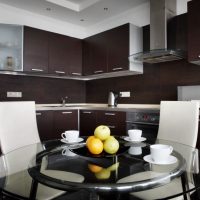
<point>140,140</point>
<point>169,161</point>
<point>67,142</point>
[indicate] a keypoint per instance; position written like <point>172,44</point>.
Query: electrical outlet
<point>125,94</point>
<point>14,94</point>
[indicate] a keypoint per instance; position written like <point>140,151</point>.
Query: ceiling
<point>78,12</point>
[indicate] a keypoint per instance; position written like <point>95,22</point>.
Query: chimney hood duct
<point>160,12</point>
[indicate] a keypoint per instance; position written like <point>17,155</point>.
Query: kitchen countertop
<point>96,106</point>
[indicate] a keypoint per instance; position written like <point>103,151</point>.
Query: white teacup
<point>160,152</point>
<point>70,136</point>
<point>135,150</point>
<point>135,134</point>
<point>67,152</point>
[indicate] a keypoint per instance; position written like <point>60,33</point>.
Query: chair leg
<point>185,186</point>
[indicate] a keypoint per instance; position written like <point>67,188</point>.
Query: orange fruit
<point>95,145</point>
<point>88,140</point>
<point>94,168</point>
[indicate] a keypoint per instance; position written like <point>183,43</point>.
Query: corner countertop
<point>97,106</point>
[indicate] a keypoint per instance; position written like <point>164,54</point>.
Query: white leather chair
<point>178,123</point>
<point>18,128</point>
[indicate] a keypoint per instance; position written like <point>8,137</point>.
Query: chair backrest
<point>18,125</point>
<point>179,122</point>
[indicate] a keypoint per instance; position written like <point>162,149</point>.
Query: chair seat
<point>168,189</point>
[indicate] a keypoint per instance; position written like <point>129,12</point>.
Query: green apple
<point>102,132</point>
<point>103,174</point>
<point>113,167</point>
<point>111,145</point>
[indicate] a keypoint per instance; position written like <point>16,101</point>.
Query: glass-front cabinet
<point>11,39</point>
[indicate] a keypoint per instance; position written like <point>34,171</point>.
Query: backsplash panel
<point>42,90</point>
<point>159,82</point>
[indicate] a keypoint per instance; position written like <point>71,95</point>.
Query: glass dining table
<point>128,174</point>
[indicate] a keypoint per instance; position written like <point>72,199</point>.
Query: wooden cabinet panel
<point>118,48</point>
<point>35,50</point>
<point>64,120</point>
<point>107,51</point>
<point>193,31</point>
<point>45,124</point>
<point>65,55</point>
<point>87,122</point>
<point>52,123</point>
<point>59,54</point>
<point>114,120</point>
<point>75,60</point>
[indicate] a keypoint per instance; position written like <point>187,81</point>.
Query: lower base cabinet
<point>90,119</point>
<point>52,123</point>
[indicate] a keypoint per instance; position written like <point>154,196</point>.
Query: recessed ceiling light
<point>106,9</point>
<point>48,9</point>
<point>82,20</point>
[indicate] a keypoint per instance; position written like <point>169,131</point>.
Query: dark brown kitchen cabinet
<point>87,122</point>
<point>52,123</point>
<point>95,54</point>
<point>194,32</point>
<point>90,119</point>
<point>35,50</point>
<point>45,124</point>
<point>116,121</point>
<point>107,51</point>
<point>118,48</point>
<point>65,55</point>
<point>64,120</point>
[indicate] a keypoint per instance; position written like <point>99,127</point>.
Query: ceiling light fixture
<point>48,9</point>
<point>106,9</point>
<point>82,20</point>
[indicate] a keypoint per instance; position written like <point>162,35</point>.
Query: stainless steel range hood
<point>160,12</point>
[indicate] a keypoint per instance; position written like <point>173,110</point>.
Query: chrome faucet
<point>63,99</point>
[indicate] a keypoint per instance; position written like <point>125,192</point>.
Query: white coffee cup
<point>135,150</point>
<point>70,135</point>
<point>160,152</point>
<point>135,134</point>
<point>67,152</point>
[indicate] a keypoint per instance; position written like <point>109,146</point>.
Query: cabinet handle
<point>67,112</point>
<point>110,114</point>
<point>87,112</point>
<point>77,74</point>
<point>117,68</point>
<point>37,70</point>
<point>38,113</point>
<point>111,126</point>
<point>99,71</point>
<point>60,72</point>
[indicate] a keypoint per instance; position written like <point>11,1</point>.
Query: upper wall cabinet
<point>65,55</point>
<point>35,50</point>
<point>194,32</point>
<point>11,47</point>
<point>109,51</point>
<point>51,53</point>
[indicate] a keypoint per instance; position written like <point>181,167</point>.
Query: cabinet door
<point>75,59</point>
<point>118,48</point>
<point>95,54</point>
<point>193,30</point>
<point>35,50</point>
<point>87,122</point>
<point>116,121</point>
<point>59,54</point>
<point>64,120</point>
<point>45,124</point>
